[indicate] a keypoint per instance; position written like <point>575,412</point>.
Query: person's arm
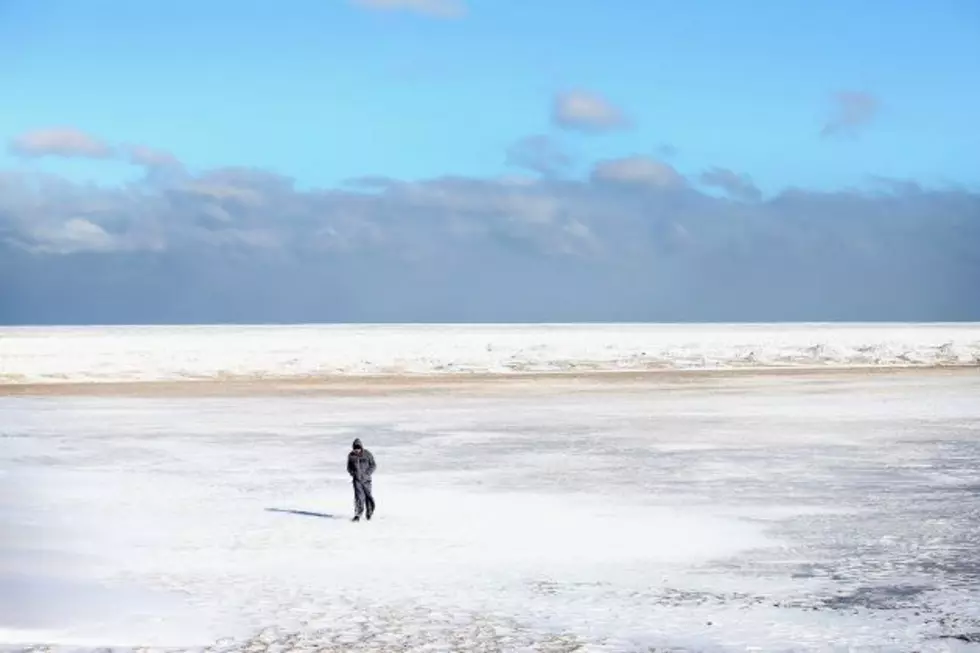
<point>350,465</point>
<point>371,465</point>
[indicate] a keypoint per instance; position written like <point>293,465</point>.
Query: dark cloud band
<point>633,240</point>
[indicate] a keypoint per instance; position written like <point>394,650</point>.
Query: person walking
<point>361,466</point>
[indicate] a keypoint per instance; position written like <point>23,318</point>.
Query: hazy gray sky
<point>635,240</point>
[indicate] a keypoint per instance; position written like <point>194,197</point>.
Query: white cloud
<point>73,235</point>
<point>853,110</point>
<point>60,141</point>
<point>71,142</point>
<point>638,170</point>
<point>432,8</point>
<point>734,184</point>
<point>149,157</point>
<point>586,111</point>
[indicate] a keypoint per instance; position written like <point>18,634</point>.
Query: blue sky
<point>527,160</point>
<point>328,90</point>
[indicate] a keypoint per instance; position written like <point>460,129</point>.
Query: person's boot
<point>357,518</point>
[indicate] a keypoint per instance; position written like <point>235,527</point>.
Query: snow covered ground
<point>809,513</point>
<point>125,354</point>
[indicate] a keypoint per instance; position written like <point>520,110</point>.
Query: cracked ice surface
<point>762,514</point>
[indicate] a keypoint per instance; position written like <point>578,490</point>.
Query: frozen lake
<point>752,513</point>
<point>122,354</point>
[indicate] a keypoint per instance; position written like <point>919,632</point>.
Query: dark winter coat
<point>360,466</point>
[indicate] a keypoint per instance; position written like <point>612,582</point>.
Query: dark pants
<point>363,497</point>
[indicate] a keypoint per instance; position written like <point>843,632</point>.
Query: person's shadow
<point>304,513</point>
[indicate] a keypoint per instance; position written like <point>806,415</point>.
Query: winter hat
<point>357,443</point>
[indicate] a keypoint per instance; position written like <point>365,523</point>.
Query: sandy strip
<point>467,384</point>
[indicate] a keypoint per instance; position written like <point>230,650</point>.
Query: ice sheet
<point>124,354</point>
<point>778,515</point>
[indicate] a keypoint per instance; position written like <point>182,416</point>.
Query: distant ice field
<point>60,355</point>
<point>796,513</point>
